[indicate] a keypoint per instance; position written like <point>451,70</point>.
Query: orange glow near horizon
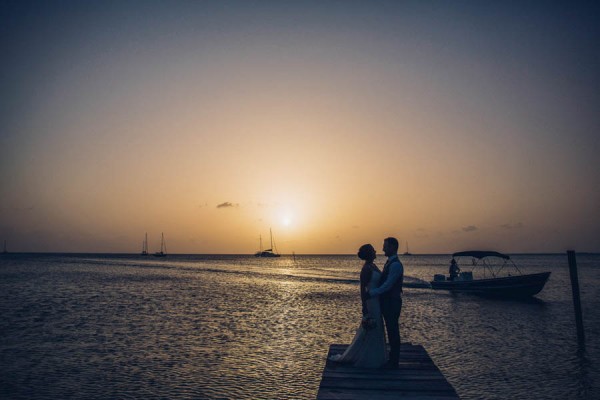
<point>215,124</point>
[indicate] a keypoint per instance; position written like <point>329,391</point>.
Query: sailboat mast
<point>273,245</point>
<point>145,245</point>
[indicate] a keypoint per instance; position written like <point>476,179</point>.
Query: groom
<point>390,297</point>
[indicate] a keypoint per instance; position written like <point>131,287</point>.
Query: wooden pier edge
<point>417,378</point>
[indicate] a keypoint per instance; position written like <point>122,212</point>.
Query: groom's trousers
<point>390,308</point>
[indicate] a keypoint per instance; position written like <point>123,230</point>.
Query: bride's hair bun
<point>366,252</point>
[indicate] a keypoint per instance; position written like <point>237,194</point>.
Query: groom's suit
<point>390,292</point>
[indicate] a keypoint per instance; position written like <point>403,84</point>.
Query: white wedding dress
<point>367,349</point>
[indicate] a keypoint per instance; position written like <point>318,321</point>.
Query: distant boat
<point>267,252</point>
<point>5,251</point>
<point>145,246</point>
<point>521,285</point>
<point>163,247</point>
<point>407,253</point>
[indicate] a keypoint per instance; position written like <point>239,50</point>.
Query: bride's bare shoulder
<point>371,266</point>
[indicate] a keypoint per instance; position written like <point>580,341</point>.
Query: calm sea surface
<point>237,327</point>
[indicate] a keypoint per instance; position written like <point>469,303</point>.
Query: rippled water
<point>236,327</point>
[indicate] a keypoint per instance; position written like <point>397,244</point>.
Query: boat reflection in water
<point>492,284</point>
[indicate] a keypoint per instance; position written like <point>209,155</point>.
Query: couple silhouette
<point>381,295</point>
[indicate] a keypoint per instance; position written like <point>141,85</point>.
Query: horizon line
<point>282,254</point>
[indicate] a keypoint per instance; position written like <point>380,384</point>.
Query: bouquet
<point>368,323</point>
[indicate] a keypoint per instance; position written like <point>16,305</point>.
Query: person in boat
<point>453,270</point>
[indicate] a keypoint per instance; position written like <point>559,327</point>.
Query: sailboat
<point>5,251</point>
<point>407,253</point>
<point>267,252</point>
<point>163,247</point>
<point>145,246</point>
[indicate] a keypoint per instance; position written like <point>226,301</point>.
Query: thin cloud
<point>227,204</point>
<point>512,226</point>
<point>469,228</point>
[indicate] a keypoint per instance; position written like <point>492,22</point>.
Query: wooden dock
<point>417,378</point>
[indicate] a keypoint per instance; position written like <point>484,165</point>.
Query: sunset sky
<point>451,125</point>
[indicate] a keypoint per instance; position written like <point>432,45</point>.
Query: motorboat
<point>500,276</point>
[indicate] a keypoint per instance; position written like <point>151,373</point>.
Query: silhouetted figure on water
<point>453,270</point>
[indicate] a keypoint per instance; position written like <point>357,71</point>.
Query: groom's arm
<point>396,271</point>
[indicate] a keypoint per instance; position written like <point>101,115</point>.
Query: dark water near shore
<point>237,327</point>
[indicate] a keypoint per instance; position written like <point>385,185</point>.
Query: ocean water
<point>237,327</point>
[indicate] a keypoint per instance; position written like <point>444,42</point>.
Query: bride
<point>367,349</point>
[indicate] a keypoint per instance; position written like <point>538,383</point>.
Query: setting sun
<point>286,221</point>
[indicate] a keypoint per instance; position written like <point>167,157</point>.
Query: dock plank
<point>333,394</point>
<point>417,378</point>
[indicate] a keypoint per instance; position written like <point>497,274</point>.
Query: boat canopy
<point>480,254</point>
